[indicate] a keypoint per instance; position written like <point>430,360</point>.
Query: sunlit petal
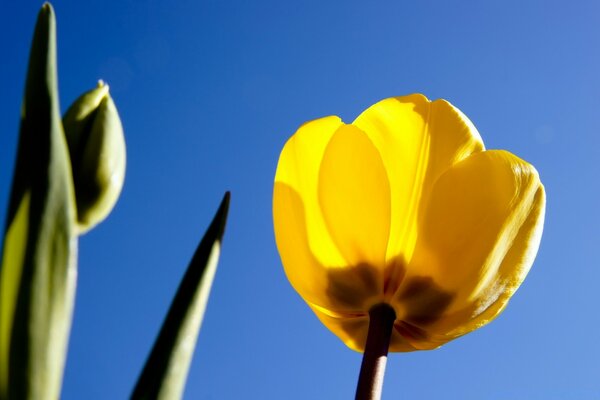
<point>298,168</point>
<point>478,236</point>
<point>417,140</point>
<point>510,274</point>
<point>354,194</point>
<point>338,289</point>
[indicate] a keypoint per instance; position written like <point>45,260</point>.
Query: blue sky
<point>209,91</point>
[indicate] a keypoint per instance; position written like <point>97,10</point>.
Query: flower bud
<point>97,148</point>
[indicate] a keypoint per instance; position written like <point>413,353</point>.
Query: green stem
<point>372,370</point>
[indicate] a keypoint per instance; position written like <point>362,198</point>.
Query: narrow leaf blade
<point>38,271</point>
<point>166,369</point>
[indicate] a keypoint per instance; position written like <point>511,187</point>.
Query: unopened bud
<point>97,148</point>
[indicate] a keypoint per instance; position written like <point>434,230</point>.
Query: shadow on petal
<point>338,289</point>
<point>424,301</point>
<point>358,287</point>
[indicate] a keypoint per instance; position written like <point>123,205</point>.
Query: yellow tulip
<point>404,207</point>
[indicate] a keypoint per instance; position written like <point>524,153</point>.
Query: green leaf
<point>38,270</point>
<point>166,369</point>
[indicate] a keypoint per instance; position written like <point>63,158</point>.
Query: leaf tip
<point>47,10</point>
<point>221,216</point>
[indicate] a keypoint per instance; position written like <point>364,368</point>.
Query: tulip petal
<point>478,236</point>
<point>342,289</point>
<point>354,194</point>
<point>418,140</point>
<point>511,273</point>
<point>298,168</point>
<point>353,330</point>
<point>312,261</point>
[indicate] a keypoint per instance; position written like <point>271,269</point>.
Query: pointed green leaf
<point>166,369</point>
<point>38,270</point>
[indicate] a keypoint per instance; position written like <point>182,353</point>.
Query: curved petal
<point>478,237</point>
<point>298,168</point>
<point>347,290</point>
<point>354,194</point>
<point>353,331</point>
<point>417,140</point>
<point>511,273</point>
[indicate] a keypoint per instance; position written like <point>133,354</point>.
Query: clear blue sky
<point>209,91</point>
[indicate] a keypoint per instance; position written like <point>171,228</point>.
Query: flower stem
<point>372,370</point>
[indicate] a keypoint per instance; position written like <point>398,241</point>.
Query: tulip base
<point>372,370</point>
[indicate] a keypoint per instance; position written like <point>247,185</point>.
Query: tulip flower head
<point>404,207</point>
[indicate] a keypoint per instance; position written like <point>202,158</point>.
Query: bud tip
<point>102,84</point>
